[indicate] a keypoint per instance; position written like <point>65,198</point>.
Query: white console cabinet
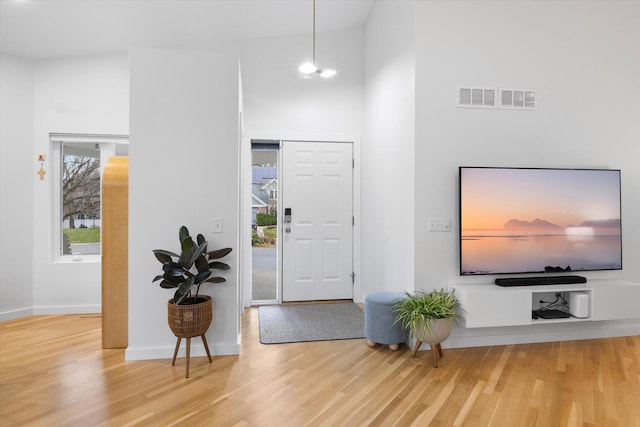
<point>489,305</point>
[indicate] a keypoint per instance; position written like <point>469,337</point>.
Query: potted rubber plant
<point>428,316</point>
<point>189,312</point>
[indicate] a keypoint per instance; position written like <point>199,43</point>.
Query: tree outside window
<point>77,191</point>
<point>80,192</point>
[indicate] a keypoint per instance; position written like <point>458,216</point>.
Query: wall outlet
<point>439,224</point>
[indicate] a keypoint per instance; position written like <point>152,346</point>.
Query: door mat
<point>310,322</point>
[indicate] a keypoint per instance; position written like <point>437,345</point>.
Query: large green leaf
<point>219,265</point>
<point>176,280</point>
<point>216,280</point>
<point>200,277</point>
<point>188,247</point>
<point>164,256</point>
<point>183,233</point>
<point>155,279</point>
<point>179,297</point>
<point>187,284</point>
<point>198,253</point>
<point>219,253</point>
<point>173,269</point>
<point>202,264</point>
<point>183,290</point>
<point>200,239</point>
<point>167,285</point>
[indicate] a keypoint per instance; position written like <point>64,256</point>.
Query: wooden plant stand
<point>439,331</point>
<point>436,350</point>
<point>175,353</point>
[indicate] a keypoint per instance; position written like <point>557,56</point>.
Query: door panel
<point>317,184</point>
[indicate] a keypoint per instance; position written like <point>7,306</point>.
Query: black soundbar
<point>545,280</point>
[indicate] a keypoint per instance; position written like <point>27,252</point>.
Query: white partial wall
<point>388,148</point>
<point>278,103</point>
<point>18,168</point>
<point>583,61</point>
<point>90,95</point>
<point>183,170</point>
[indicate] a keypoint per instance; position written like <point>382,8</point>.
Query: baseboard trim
<point>579,331</point>
<point>66,309</point>
<point>50,310</point>
<point>16,314</point>
<point>166,352</point>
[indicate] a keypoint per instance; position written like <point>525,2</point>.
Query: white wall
<point>183,170</point>
<point>583,61</point>
<point>87,94</point>
<point>277,101</point>
<point>18,168</point>
<point>388,148</point>
<point>90,94</point>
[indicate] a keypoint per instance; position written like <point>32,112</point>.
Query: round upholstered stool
<point>379,318</point>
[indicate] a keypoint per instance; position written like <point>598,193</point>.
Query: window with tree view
<point>80,194</point>
<point>77,196</point>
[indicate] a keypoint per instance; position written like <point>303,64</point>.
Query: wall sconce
<point>41,171</point>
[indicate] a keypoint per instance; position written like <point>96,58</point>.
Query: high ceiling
<point>39,29</point>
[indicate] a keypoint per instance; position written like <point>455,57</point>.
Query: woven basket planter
<point>190,320</point>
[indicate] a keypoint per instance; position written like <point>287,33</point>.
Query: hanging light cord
<point>314,32</point>
<point>310,69</point>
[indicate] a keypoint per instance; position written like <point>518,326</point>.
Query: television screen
<point>533,220</point>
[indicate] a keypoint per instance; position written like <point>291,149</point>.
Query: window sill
<point>78,259</point>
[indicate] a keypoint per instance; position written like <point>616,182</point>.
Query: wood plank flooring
<point>53,372</point>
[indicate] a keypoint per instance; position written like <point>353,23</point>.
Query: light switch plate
<point>216,225</point>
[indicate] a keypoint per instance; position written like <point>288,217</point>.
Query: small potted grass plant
<point>428,316</point>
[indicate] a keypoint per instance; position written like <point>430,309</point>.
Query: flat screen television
<point>539,220</point>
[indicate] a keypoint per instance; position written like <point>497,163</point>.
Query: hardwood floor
<point>53,372</point>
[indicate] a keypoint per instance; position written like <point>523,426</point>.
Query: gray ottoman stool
<point>379,318</point>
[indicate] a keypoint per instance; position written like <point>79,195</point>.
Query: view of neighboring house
<point>264,189</point>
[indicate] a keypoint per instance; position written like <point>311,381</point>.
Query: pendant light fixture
<point>309,69</point>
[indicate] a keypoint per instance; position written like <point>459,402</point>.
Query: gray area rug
<point>310,322</point>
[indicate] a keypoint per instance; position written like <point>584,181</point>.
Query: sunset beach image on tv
<point>533,220</point>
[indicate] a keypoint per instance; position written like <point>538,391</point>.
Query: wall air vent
<point>517,99</point>
<point>476,97</point>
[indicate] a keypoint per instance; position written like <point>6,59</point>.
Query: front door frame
<point>245,207</point>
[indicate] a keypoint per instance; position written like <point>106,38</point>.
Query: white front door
<point>317,243</point>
